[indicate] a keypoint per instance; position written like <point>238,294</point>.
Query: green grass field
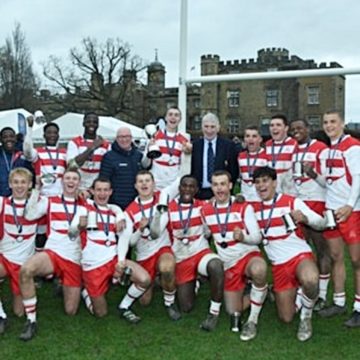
<point>156,337</point>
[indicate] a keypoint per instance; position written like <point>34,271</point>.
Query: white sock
<point>257,298</point>
<point>88,303</point>
<point>2,311</point>
<point>307,307</point>
<point>298,299</point>
<point>323,285</point>
<point>133,293</point>
<point>357,303</point>
<point>214,307</point>
<point>339,299</point>
<point>169,297</point>
<point>30,308</point>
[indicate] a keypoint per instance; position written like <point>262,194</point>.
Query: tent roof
<point>10,118</point>
<point>70,126</point>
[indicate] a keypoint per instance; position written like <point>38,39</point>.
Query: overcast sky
<point>234,29</point>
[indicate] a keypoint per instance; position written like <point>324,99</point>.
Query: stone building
<point>237,104</point>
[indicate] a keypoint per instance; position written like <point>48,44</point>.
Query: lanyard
<point>303,154</point>
<point>69,218</point>
<point>251,167</point>
<point>171,150</point>
<point>273,155</point>
<point>17,222</point>
<point>267,226</point>
<point>223,227</point>
<point>54,162</point>
<point>331,158</point>
<point>9,166</point>
<point>105,225</point>
<point>142,209</point>
<point>186,225</point>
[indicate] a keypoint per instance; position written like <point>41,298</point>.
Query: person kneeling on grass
<point>191,249</point>
<point>100,247</point>
<point>154,253</point>
<point>280,218</point>
<point>235,230</point>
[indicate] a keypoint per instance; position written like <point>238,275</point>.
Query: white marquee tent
<point>70,126</point>
<point>10,118</point>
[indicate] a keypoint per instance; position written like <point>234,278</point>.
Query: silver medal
<point>48,179</point>
<point>329,181</point>
<point>146,232</point>
<point>19,239</point>
<point>171,161</point>
<point>107,243</point>
<point>185,241</point>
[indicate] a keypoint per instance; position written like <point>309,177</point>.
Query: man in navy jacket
<point>212,153</point>
<point>120,165</point>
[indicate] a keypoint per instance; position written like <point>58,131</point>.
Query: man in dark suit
<point>212,153</point>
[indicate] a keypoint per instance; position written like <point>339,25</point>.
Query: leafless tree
<point>17,78</point>
<point>100,76</point>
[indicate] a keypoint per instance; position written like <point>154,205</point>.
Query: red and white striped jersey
<point>99,246</point>
<point>146,247</point>
<point>91,168</point>
<point>191,220</point>
<point>17,235</point>
<point>248,163</point>
<point>239,215</point>
<point>282,245</point>
<point>342,163</point>
<point>308,189</point>
<point>166,168</point>
<point>280,154</point>
<point>50,160</point>
<point>58,225</point>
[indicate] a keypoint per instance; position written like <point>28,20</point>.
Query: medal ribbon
<point>267,226</point>
<point>54,162</point>
<point>273,155</point>
<point>331,158</point>
<point>186,225</point>
<point>17,222</point>
<point>251,167</point>
<point>223,227</point>
<point>171,150</point>
<point>69,218</point>
<point>106,225</point>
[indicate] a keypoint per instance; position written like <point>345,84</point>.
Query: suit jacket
<point>225,159</point>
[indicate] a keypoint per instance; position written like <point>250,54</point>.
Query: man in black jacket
<point>120,165</point>
<point>211,153</point>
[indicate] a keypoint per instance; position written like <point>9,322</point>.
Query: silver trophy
<point>289,223</point>
<point>154,150</point>
<point>92,221</point>
<point>330,219</point>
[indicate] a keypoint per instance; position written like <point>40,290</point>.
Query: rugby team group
<point>75,213</point>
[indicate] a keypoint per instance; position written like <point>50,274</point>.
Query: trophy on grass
<point>154,150</point>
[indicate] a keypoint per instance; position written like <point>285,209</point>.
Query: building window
<point>233,97</point>
<point>233,126</point>
<point>314,122</point>
<point>197,103</point>
<point>196,123</point>
<point>272,98</point>
<point>264,126</point>
<point>313,95</point>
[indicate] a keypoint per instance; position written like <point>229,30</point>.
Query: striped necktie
<point>210,161</point>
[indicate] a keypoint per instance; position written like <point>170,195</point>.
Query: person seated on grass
<point>280,217</point>
<point>62,252</point>
<point>192,253</point>
<point>235,230</point>
<point>17,237</point>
